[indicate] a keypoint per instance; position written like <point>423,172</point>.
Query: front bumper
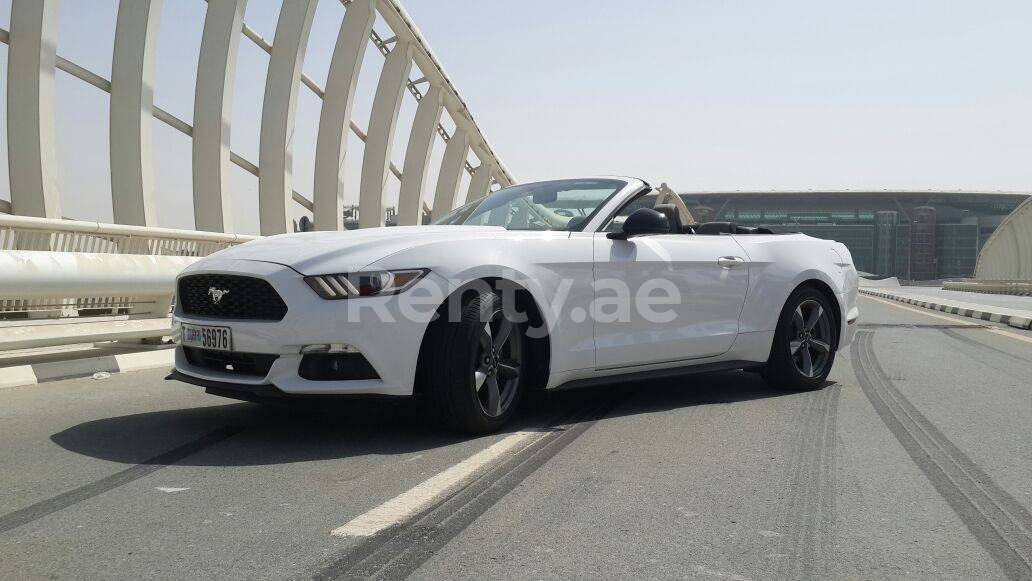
<point>267,393</point>
<point>381,328</point>
<point>850,320</point>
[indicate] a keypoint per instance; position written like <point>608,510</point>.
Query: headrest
<point>672,216</point>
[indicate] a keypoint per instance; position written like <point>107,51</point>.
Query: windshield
<point>554,205</point>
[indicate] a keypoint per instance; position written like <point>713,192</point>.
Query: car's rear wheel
<point>805,342</point>
<point>473,369</point>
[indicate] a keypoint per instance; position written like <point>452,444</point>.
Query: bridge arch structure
<point>1007,254</point>
<point>410,67</point>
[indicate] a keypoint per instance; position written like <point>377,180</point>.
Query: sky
<point>701,94</point>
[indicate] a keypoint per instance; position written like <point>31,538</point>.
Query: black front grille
<point>226,296</point>
<point>251,364</point>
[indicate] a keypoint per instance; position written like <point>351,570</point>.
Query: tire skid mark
<point>807,515</point>
<point>66,499</point>
<point>397,552</point>
<point>997,521</point>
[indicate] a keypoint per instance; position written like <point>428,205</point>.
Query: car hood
<point>313,252</point>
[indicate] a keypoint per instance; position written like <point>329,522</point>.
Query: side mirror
<point>642,221</point>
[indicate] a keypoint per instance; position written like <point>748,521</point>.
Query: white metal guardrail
<point>95,297</point>
<point>27,233</point>
<point>97,303</point>
<point>64,281</point>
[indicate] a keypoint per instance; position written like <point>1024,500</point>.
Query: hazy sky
<point>703,94</point>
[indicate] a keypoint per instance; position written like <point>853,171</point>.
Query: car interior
<point>677,225</point>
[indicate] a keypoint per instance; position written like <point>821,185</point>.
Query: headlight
<point>364,284</point>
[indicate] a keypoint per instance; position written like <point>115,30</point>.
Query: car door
<point>683,294</point>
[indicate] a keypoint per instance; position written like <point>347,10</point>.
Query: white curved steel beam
<point>452,166</point>
<point>338,100</point>
<point>480,183</point>
<point>380,135</point>
<point>31,156</point>
<point>417,156</point>
<point>395,15</point>
<point>132,102</point>
<point>275,158</point>
<point>213,113</point>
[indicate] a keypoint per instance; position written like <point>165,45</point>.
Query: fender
<point>556,270</point>
<point>779,263</point>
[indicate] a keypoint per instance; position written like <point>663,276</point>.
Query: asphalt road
<point>915,462</point>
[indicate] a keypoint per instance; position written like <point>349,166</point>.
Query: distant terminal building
<point>914,235</point>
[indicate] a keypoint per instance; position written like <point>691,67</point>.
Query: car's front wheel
<point>473,369</point>
<point>804,344</point>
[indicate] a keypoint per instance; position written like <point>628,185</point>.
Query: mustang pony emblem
<point>216,294</point>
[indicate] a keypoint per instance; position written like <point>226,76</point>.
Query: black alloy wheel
<point>473,370</point>
<point>805,341</point>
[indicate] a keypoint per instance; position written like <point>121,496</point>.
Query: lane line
<point>1011,335</point>
<point>417,499</point>
<point>43,508</point>
<point>926,313</point>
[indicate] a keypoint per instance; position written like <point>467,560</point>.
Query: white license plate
<point>216,338</point>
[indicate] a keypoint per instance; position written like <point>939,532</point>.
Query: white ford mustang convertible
<point>538,286</point>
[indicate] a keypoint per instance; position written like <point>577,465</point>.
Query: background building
<point>921,235</point>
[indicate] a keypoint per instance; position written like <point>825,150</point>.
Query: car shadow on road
<point>283,434</point>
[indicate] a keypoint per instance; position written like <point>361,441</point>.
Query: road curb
<point>22,375</point>
<point>962,310</point>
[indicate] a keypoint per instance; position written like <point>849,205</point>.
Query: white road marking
<point>1011,335</point>
<point>410,503</point>
<point>722,574</point>
<point>926,312</point>
<point>170,489</point>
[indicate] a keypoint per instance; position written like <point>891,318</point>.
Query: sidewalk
<point>1015,311</point>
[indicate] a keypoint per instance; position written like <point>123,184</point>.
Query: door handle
<point>730,261</point>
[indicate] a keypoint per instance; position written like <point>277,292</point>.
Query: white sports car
<point>538,286</point>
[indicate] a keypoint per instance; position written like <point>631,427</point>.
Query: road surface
<point>916,461</point>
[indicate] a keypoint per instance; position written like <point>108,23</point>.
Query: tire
<point>473,369</point>
<point>805,342</point>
